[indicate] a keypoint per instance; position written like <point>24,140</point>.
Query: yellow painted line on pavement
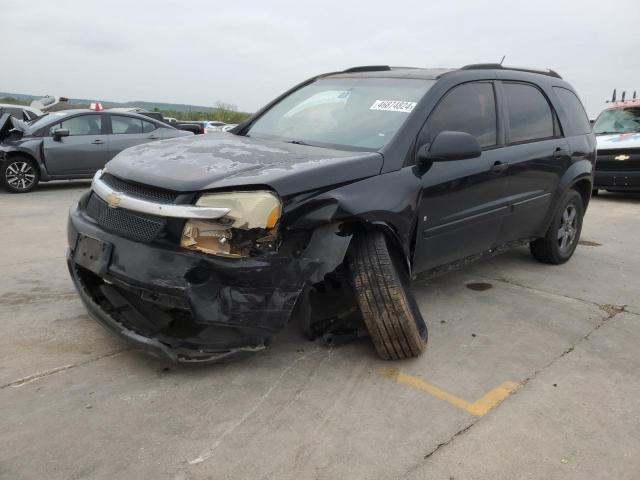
<point>479,408</point>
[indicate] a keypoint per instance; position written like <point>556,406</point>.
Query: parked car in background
<point>214,126</point>
<point>200,124</point>
<point>48,102</point>
<point>361,178</point>
<point>617,130</point>
<point>21,112</point>
<point>70,144</point>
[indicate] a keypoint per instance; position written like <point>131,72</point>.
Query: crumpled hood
<point>218,160</point>
<point>9,124</point>
<point>617,141</point>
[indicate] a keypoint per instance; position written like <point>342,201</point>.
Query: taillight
<point>202,129</point>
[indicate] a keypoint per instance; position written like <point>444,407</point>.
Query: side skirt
<point>462,263</point>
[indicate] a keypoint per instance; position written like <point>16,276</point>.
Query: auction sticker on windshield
<point>393,106</point>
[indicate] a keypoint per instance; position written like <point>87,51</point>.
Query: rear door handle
<point>98,142</point>
<point>153,137</point>
<point>560,153</point>
<point>499,167</point>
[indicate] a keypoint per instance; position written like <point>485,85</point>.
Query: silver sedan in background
<point>70,144</point>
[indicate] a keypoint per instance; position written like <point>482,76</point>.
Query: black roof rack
<point>368,68</point>
<point>497,66</point>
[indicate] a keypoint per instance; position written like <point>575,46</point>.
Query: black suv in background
<point>199,248</point>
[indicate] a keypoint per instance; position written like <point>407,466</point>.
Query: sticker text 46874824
<point>393,106</point>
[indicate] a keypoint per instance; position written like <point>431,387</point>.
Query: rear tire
<point>381,285</point>
<point>19,174</point>
<point>561,239</point>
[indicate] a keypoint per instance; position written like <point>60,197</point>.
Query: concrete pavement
<point>76,404</point>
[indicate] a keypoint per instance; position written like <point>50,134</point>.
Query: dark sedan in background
<point>70,144</point>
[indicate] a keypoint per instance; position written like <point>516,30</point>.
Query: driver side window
<point>82,125</point>
<point>469,108</point>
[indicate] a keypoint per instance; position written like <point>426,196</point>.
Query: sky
<point>245,53</point>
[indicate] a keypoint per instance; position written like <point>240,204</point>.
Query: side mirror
<point>58,133</point>
<point>449,146</point>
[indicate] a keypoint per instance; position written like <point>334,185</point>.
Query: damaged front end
<point>11,128</point>
<point>193,280</point>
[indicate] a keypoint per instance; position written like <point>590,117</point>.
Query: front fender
<point>385,202</point>
<point>31,148</point>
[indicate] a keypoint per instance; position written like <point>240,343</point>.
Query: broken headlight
<point>249,225</point>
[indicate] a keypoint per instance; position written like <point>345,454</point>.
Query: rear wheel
<point>19,174</point>
<point>561,239</point>
<point>381,283</point>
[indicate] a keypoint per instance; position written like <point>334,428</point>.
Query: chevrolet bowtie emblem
<point>113,200</point>
<point>621,157</point>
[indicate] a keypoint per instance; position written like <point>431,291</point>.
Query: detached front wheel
<point>381,283</point>
<point>19,175</point>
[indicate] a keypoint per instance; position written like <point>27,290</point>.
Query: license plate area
<point>92,254</point>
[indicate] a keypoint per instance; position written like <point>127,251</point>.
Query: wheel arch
<point>579,177</point>
<point>10,154</point>
<point>387,229</point>
<point>584,187</point>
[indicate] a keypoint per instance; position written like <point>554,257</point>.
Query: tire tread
<point>383,300</point>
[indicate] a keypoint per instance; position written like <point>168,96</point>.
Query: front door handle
<point>153,137</point>
<point>499,167</point>
<point>560,153</point>
<point>98,142</point>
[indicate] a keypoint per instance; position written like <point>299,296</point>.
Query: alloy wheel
<point>568,228</point>
<point>20,175</point>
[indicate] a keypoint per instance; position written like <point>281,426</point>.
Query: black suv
<point>198,248</point>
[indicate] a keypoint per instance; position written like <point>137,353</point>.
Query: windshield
<point>350,113</point>
<point>618,120</point>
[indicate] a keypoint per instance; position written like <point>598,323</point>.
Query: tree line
<point>222,112</point>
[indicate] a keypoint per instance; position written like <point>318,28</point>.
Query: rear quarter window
<point>148,126</point>
<point>578,120</point>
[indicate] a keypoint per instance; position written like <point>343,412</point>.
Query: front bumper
<point>184,306</point>
<point>617,180</point>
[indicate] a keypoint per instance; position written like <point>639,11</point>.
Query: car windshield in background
<point>618,120</point>
<point>45,120</point>
<point>348,113</point>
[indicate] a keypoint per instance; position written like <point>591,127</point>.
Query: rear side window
<point>82,125</point>
<point>530,117</point>
<point>578,119</point>
<point>469,108</point>
<point>125,125</point>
